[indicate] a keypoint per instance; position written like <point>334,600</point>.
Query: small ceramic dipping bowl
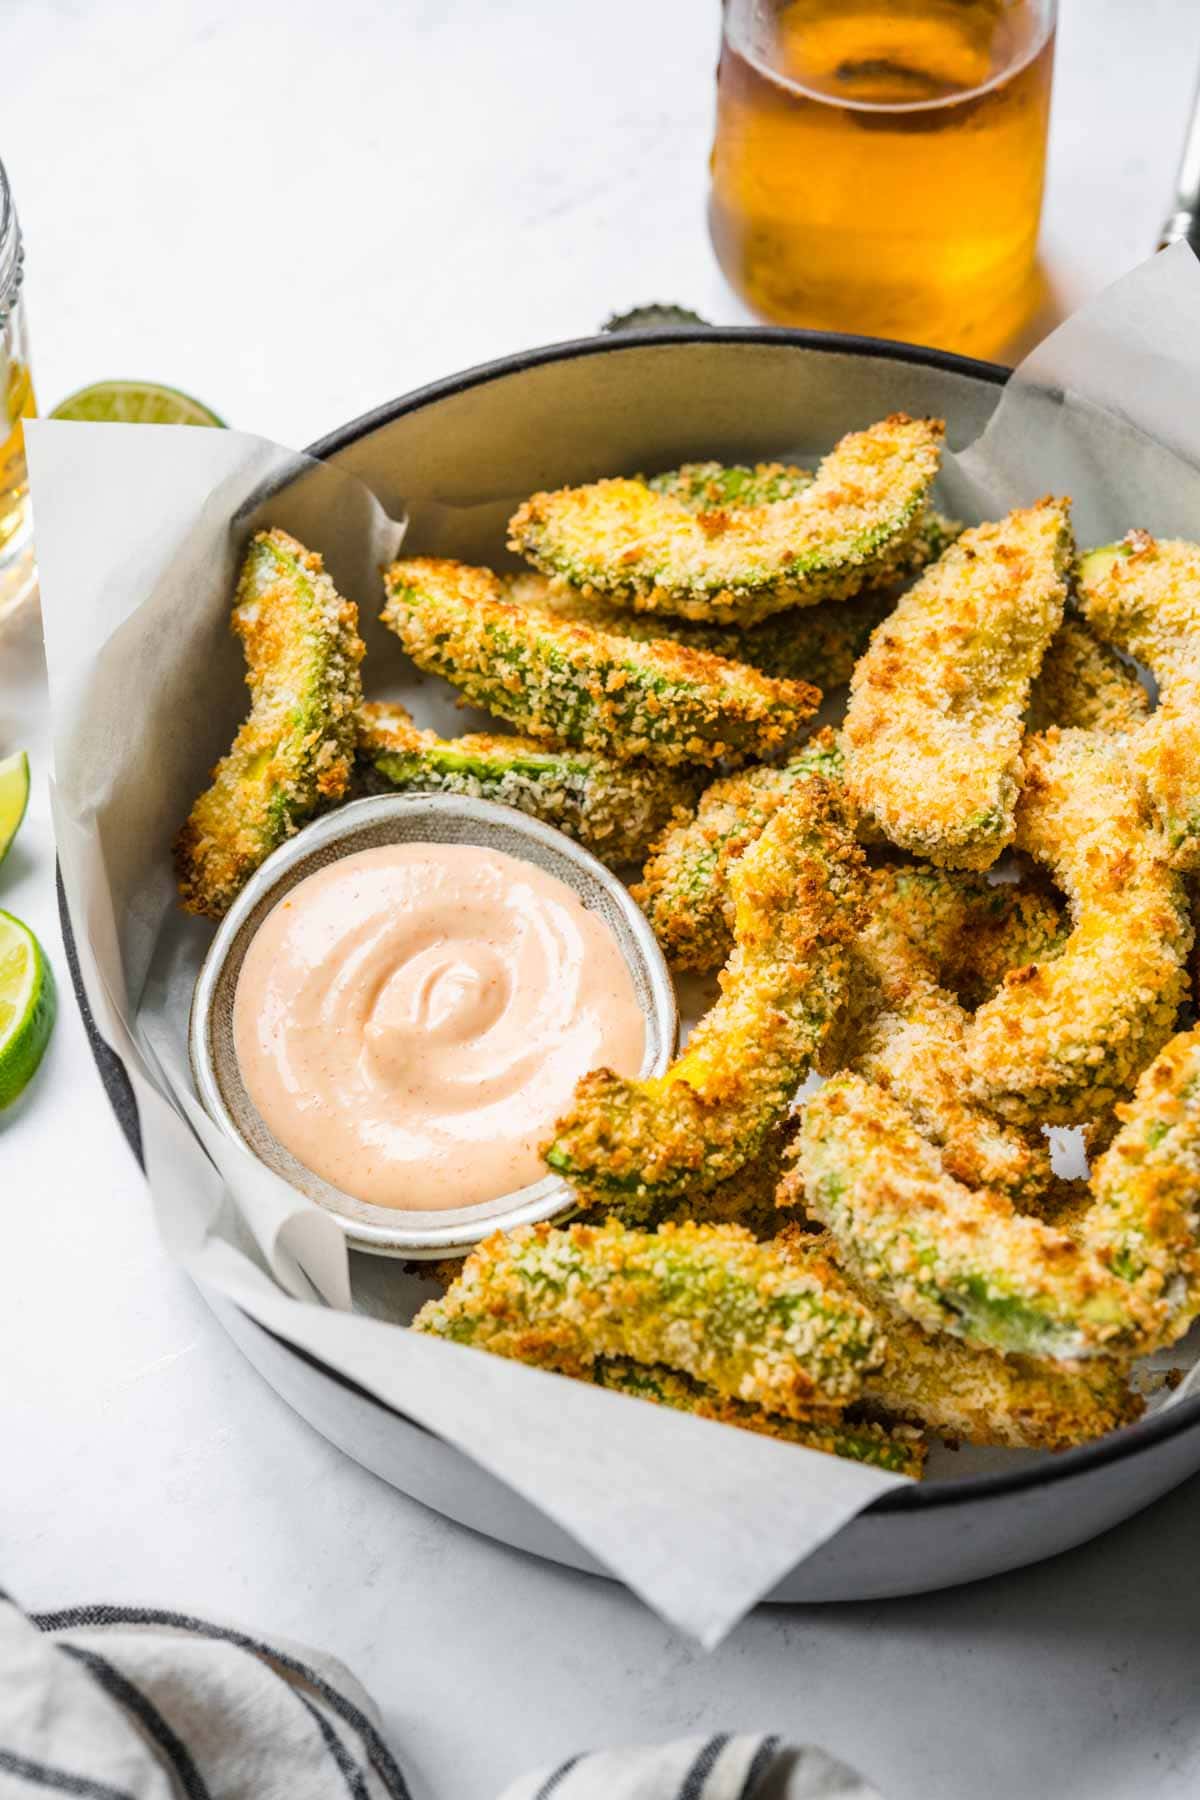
<point>365,825</point>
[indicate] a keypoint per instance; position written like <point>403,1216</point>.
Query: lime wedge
<point>14,798</point>
<point>134,403</point>
<point>27,1007</point>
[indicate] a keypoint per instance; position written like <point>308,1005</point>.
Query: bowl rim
<point>603,343</point>
<point>1130,1440</point>
<point>383,1232</point>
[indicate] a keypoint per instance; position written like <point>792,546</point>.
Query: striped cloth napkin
<point>129,1703</point>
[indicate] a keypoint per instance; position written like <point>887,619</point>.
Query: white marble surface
<point>296,210</point>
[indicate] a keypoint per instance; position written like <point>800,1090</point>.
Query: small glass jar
<point>18,576</point>
<point>878,164</point>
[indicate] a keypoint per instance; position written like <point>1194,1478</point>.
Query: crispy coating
<point>971,1396</point>
<point>748,1198</point>
<point>1083,684</point>
<point>933,729</point>
<point>1119,1278</point>
<point>1062,1040</point>
<point>615,809</point>
<point>295,751</point>
<point>638,1146</point>
<point>703,487</point>
<point>1144,1219</point>
<point>582,687</point>
<point>1014,1402</point>
<point>818,644</point>
<point>899,1450</point>
<point>908,1033</point>
<point>704,1300</point>
<point>847,529</point>
<point>972,930</point>
<point>685,888</point>
<point>952,1258</point>
<point>1143,595</point>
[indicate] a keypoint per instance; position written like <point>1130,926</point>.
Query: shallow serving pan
<point>570,413</point>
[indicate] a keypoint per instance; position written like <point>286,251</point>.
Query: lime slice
<point>27,1007</point>
<point>14,798</point>
<point>134,403</point>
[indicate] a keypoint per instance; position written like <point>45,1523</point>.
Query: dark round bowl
<point>455,456</point>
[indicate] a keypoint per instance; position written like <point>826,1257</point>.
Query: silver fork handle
<point>1183,223</point>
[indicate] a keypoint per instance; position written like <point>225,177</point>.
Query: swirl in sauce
<point>410,1021</point>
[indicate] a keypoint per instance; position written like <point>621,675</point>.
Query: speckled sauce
<point>411,1020</point>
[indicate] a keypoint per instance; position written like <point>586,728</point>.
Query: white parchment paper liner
<point>139,533</point>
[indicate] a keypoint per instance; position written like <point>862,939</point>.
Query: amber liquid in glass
<point>17,403</point>
<point>878,164</point>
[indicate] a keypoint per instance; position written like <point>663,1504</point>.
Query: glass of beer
<point>878,164</point>
<point>18,575</point>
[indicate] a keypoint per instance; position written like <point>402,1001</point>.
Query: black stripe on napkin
<point>84,1617</point>
<point>351,1774</point>
<point>60,1780</point>
<point>122,1690</point>
<point>764,1756</point>
<point>556,1778</point>
<point>702,1768</point>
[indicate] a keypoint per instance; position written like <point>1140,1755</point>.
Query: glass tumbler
<point>17,572</point>
<point>878,164</point>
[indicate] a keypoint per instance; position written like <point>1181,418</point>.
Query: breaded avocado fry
<point>685,890</point>
<point>950,1257</point>
<point>933,730</point>
<point>847,529</point>
<point>1084,684</point>
<point>582,687</point>
<point>818,644</point>
<point>908,1033</point>
<point>978,1397</point>
<point>971,1396</point>
<point>1061,1040</point>
<point>1143,595</point>
<point>1123,1281</point>
<point>898,1449</point>
<point>637,1146</point>
<point>295,752</point>
<point>748,1198</point>
<point>974,930</point>
<point>1145,1215</point>
<point>615,809</point>
<point>704,1300</point>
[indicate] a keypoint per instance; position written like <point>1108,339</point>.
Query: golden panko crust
<point>1120,1279</point>
<point>295,752</point>
<point>704,1300</point>
<point>1143,595</point>
<point>1062,1040</point>
<point>908,1032</point>
<point>849,528</point>
<point>573,685</point>
<point>897,1448</point>
<point>685,889</point>
<point>819,644</point>
<point>971,1396</point>
<point>1084,684</point>
<point>933,730</point>
<point>614,809</point>
<point>637,1146</point>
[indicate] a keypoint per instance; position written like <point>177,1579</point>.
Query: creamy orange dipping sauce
<point>410,1021</point>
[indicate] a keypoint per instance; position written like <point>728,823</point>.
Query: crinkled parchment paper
<point>139,533</point>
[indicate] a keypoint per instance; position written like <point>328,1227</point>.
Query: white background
<point>295,211</point>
